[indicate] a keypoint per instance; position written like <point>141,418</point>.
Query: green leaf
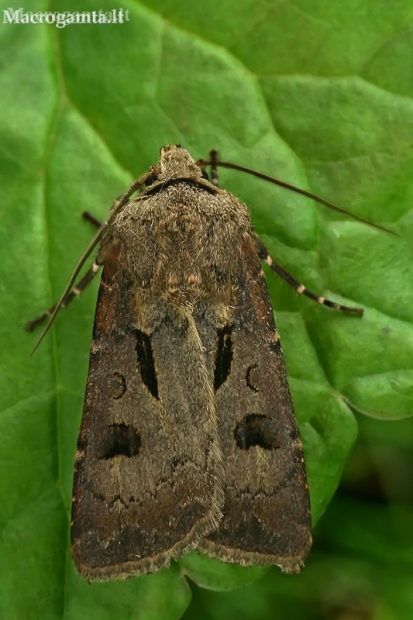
<point>215,575</point>
<point>316,93</point>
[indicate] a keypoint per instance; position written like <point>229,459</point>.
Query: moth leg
<point>76,290</point>
<point>298,286</point>
<point>92,219</point>
<point>214,168</point>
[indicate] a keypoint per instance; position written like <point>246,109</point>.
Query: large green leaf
<point>319,94</point>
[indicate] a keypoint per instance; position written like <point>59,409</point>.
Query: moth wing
<point>146,485</point>
<point>266,510</point>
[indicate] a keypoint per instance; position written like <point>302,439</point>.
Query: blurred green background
<point>318,93</point>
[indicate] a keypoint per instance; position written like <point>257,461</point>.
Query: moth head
<point>177,163</point>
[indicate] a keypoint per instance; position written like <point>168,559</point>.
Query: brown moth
<point>188,438</point>
<point>188,428</point>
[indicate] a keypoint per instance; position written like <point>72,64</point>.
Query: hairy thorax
<point>178,241</point>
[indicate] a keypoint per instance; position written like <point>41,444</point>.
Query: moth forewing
<point>149,474</point>
<point>267,516</point>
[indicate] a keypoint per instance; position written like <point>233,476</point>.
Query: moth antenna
<point>69,285</point>
<point>115,210</point>
<point>294,188</point>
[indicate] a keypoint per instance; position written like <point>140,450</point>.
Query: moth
<point>188,438</point>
